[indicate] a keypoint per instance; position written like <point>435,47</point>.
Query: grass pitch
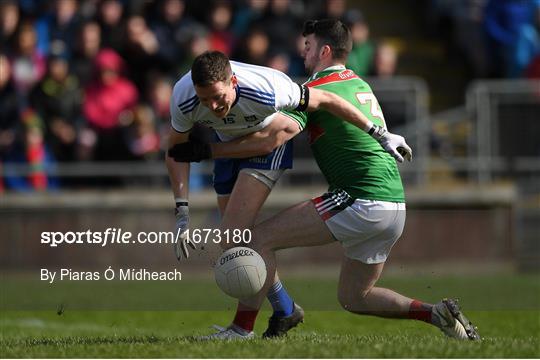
<point>506,309</point>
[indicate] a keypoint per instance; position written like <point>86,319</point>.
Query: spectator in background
<point>282,25</point>
<point>253,49</point>
<point>9,21</point>
<point>198,44</point>
<point>221,37</point>
<point>248,14</point>
<point>386,58</point>
<point>57,101</point>
<point>296,61</point>
<point>333,9</point>
<point>110,18</point>
<point>107,104</point>
<point>385,66</point>
<point>509,23</point>
<point>27,62</point>
<point>60,25</point>
<point>30,8</point>
<point>173,31</point>
<point>279,59</point>
<point>469,37</point>
<point>30,149</point>
<point>141,48</point>
<point>88,9</point>
<point>159,95</point>
<point>143,140</point>
<point>363,51</point>
<point>87,47</point>
<point>9,108</point>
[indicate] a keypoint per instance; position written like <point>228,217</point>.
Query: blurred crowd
<point>496,38</point>
<point>90,80</point>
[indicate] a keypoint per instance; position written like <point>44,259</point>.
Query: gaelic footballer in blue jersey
<point>235,100</point>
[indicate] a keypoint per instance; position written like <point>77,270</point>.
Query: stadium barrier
<point>504,144</point>
<point>504,141</point>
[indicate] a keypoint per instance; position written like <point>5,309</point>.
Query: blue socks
<point>281,301</point>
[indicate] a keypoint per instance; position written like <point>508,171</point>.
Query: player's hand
<point>190,151</point>
<point>394,144</point>
<point>181,213</point>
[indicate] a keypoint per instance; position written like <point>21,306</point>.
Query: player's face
<point>311,53</point>
<point>218,97</point>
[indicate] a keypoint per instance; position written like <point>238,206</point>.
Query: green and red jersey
<point>348,157</point>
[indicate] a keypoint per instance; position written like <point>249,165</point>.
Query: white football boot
<point>452,322</point>
<point>232,332</point>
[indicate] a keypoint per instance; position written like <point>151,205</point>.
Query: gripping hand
<point>181,213</point>
<point>191,151</point>
<point>394,144</point>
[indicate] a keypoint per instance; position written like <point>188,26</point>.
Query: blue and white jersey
<point>260,93</point>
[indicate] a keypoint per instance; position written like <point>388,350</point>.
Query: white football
<point>240,272</point>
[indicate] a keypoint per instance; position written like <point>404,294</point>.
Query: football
<point>240,272</point>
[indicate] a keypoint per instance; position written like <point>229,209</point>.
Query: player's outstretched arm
<point>394,144</point>
<point>281,129</point>
<point>179,178</point>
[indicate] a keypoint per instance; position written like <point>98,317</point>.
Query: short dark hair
<point>333,33</point>
<point>210,67</point>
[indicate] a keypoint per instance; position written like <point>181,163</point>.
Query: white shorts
<point>367,229</point>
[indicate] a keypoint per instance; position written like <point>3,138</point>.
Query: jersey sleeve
<point>287,92</point>
<point>299,116</point>
<point>179,121</point>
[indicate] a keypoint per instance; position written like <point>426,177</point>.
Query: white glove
<point>394,144</point>
<point>181,213</point>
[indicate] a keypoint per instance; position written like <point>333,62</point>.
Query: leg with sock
<point>419,310</point>
<point>281,302</point>
<point>245,317</point>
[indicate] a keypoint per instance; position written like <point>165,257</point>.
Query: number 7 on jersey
<point>368,98</point>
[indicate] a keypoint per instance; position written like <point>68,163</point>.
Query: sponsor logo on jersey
<point>346,74</point>
<point>341,76</point>
<point>250,118</point>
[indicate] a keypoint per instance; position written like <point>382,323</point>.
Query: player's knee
<point>343,301</point>
<point>346,300</point>
<point>262,242</point>
<point>353,301</point>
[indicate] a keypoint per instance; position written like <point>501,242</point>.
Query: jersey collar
<point>330,68</point>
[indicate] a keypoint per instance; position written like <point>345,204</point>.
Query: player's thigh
<point>357,278</point>
<point>244,203</point>
<point>299,225</point>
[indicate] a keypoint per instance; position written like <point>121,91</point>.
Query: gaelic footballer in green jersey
<point>364,169</point>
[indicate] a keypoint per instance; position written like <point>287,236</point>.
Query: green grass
<point>506,309</point>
